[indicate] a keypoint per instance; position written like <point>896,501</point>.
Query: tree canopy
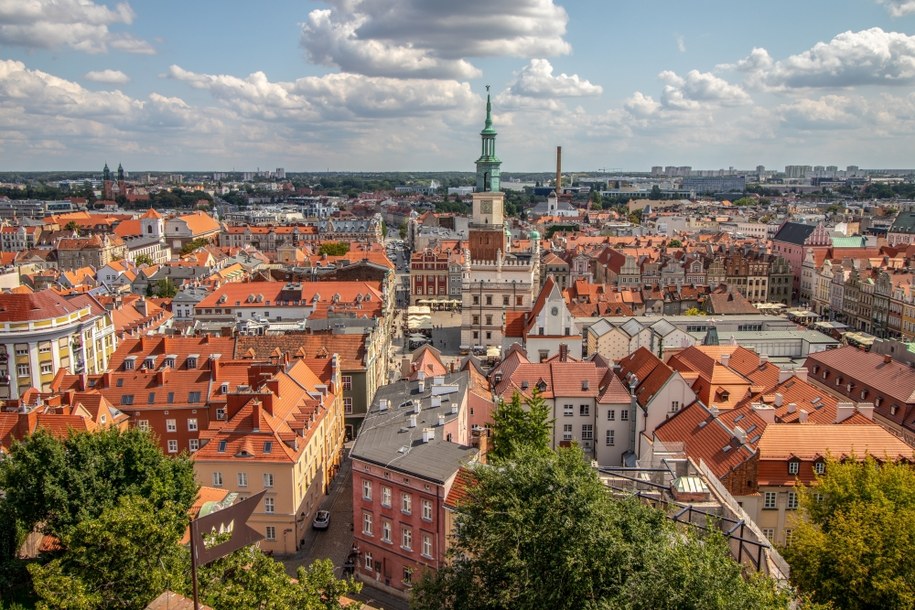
<point>336,248</point>
<point>542,531</point>
<point>119,508</point>
<point>854,540</point>
<point>517,427</point>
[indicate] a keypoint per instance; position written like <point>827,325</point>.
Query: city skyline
<point>350,85</point>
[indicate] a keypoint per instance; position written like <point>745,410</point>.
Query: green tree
<point>123,558</point>
<point>854,539</point>
<point>143,259</point>
<point>194,244</point>
<point>745,201</point>
<point>247,579</point>
<point>675,243</point>
<point>517,427</point>
<point>336,248</point>
<point>384,230</point>
<point>402,230</point>
<point>166,288</point>
<point>542,531</point>
<point>655,192</point>
<point>56,484</point>
<point>72,226</point>
<point>694,311</point>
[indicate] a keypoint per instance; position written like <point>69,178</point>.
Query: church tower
<point>487,233</point>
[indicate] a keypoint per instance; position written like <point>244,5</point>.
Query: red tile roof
<point>811,441</point>
<point>25,305</point>
<point>463,481</point>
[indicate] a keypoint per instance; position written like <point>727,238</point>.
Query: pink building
<point>793,240</point>
<point>412,443</point>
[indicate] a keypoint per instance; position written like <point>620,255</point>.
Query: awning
<point>493,352</point>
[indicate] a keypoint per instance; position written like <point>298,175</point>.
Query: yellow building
<point>284,436</point>
<point>42,332</point>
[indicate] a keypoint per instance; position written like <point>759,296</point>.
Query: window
<point>788,535</point>
<point>476,320</point>
<point>143,425</point>
<point>568,410</point>
<point>769,499</point>
<point>242,479</point>
<point>270,532</point>
<point>47,368</point>
<point>366,490</point>
<point>792,500</point>
<point>368,561</point>
<point>406,503</point>
<point>22,369</point>
<point>170,425</point>
<point>268,479</point>
<point>347,382</point>
<point>488,320</point>
<point>427,510</point>
<point>505,300</point>
<point>192,424</point>
<point>611,414</point>
<point>768,532</point>
<point>385,496</point>
<point>269,505</point>
<point>624,415</point>
<point>22,350</point>
<point>268,446</point>
<point>674,406</point>
<point>427,545</point>
<point>151,398</point>
<point>407,576</point>
<point>793,467</point>
<point>611,440</point>
<point>587,432</point>
<point>222,446</point>
<point>347,405</point>
<point>385,531</point>
<point>406,539</point>
<point>193,444</point>
<point>367,524</point>
<point>171,397</point>
<point>128,364</point>
<point>127,399</point>
<point>220,414</point>
<point>819,467</point>
<point>173,446</point>
<point>519,301</point>
<point>567,432</point>
<point>489,299</point>
<point>193,396</point>
<point>217,479</point>
<point>584,410</point>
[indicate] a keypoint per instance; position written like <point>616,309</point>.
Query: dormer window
<point>170,361</point>
<point>149,362</point>
<point>794,467</point>
<point>192,361</point>
<point>129,363</point>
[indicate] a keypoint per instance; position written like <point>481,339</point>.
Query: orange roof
<point>811,441</point>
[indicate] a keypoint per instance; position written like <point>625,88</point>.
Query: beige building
<point>42,332</point>
<point>284,436</point>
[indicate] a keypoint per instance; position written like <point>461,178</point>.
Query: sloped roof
<point>794,233</point>
<point>893,379</point>
<point>811,441</point>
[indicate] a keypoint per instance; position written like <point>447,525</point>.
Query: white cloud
<point>867,57</point>
<point>82,25</point>
<point>681,43</point>
<point>828,112</point>
<point>331,97</point>
<point>536,79</point>
<point>642,105</point>
<point>698,88</point>
<point>431,39</point>
<point>113,77</point>
<point>898,8</point>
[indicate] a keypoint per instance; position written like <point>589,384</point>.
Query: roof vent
<point>412,421</point>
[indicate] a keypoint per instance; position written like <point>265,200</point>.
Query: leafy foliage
<point>675,243</point>
<point>143,259</point>
<point>247,579</point>
<point>165,288</point>
<point>853,548</point>
<point>542,531</point>
<point>518,427</point>
<point>194,244</point>
<point>337,248</point>
<point>122,559</point>
<point>57,484</point>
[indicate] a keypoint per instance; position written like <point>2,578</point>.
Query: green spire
<point>488,179</point>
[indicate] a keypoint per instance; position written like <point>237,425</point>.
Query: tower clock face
<point>486,206</point>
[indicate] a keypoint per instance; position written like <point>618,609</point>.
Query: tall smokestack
<point>558,170</point>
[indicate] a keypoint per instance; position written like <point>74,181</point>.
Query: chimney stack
<point>802,416</point>
<point>412,421</point>
<point>801,373</point>
<point>563,352</point>
<point>725,359</point>
<point>866,409</point>
<point>765,412</point>
<point>844,410</point>
<point>784,375</point>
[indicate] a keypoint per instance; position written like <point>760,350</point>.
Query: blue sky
<point>387,85</point>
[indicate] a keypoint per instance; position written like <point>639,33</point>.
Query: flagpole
<point>194,563</point>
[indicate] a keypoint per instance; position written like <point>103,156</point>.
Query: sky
<point>400,85</point>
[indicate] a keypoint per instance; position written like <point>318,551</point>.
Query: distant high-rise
<point>281,173</point>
